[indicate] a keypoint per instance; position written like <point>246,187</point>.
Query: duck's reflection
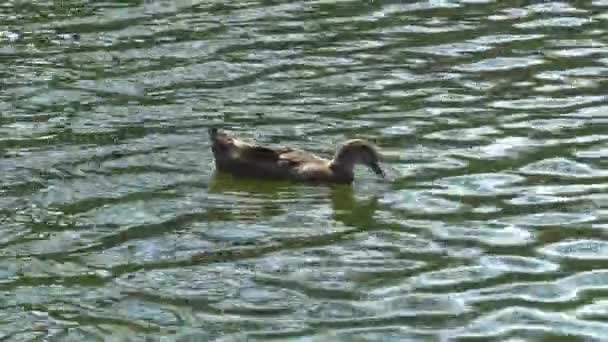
<point>350,210</point>
<point>255,199</point>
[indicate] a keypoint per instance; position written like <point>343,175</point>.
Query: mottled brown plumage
<point>251,160</point>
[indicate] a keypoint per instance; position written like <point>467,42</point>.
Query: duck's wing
<point>296,156</point>
<point>224,143</point>
<point>258,152</point>
<point>283,155</point>
<point>255,152</point>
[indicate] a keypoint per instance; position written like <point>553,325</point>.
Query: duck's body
<point>251,160</point>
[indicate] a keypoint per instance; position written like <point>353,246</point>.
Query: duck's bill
<point>377,169</point>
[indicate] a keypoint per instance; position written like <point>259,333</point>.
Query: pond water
<point>492,117</point>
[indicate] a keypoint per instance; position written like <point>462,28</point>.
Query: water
<point>492,116</point>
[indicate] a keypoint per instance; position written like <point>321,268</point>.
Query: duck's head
<point>358,151</point>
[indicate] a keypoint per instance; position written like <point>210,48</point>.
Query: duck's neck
<point>342,170</point>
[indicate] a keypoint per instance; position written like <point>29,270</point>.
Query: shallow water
<point>492,116</point>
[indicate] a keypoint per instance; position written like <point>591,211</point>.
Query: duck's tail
<point>213,132</point>
<point>219,141</point>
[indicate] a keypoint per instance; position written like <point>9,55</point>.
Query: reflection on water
<point>491,115</point>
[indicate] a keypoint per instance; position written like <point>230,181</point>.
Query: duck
<point>249,159</point>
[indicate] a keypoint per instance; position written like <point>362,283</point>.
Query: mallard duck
<point>251,160</point>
